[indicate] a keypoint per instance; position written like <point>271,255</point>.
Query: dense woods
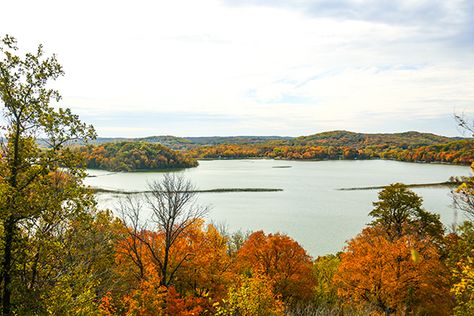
<point>60,255</point>
<point>152,153</point>
<point>457,152</point>
<point>128,156</point>
<point>141,155</point>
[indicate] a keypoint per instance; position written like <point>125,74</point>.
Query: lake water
<point>310,208</point>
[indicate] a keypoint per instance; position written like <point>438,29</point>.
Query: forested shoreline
<point>140,155</point>
<point>458,152</point>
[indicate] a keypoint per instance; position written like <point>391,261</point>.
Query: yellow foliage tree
<point>251,296</point>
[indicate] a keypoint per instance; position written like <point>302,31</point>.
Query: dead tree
<point>172,201</point>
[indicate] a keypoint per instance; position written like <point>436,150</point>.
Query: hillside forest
<point>153,153</point>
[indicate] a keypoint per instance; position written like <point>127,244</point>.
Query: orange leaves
<point>282,260</point>
<point>405,274</point>
<point>273,268</point>
<point>106,306</point>
<point>459,152</point>
<point>151,299</point>
<point>199,257</point>
<point>208,271</point>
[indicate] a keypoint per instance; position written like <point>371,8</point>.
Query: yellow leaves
<point>415,256</point>
<point>324,269</point>
<point>251,296</point>
<point>71,296</point>
<point>465,276</point>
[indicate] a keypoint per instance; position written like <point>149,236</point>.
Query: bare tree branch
<point>172,202</point>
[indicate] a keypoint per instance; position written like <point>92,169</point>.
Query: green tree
<point>399,211</point>
<point>324,268</point>
<point>36,191</point>
<point>463,196</point>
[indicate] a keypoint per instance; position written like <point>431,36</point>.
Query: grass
<point>221,190</point>
<point>415,185</point>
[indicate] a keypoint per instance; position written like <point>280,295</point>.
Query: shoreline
<point>315,160</point>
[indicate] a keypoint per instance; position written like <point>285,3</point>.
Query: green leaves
<point>399,211</point>
<point>41,189</point>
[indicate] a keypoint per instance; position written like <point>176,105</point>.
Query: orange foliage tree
<point>395,265</point>
<point>402,275</point>
<point>200,279</point>
<point>282,260</point>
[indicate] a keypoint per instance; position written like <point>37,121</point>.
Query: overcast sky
<point>256,67</point>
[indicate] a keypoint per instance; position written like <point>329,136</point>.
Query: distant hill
<point>361,140</point>
<point>161,152</point>
<point>404,140</point>
<point>240,140</point>
<point>179,143</point>
<point>332,138</point>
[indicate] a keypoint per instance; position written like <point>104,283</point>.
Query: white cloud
<point>275,69</point>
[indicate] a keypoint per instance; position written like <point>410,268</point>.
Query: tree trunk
<point>7,265</point>
<point>9,224</point>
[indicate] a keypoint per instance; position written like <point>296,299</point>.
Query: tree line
<point>457,152</point>
<point>143,155</point>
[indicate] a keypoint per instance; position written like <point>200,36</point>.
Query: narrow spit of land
<point>222,190</point>
<point>415,185</point>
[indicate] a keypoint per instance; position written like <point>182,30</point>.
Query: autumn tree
<point>399,276</point>
<point>251,295</point>
<point>172,202</point>
<point>282,260</point>
<point>31,187</point>
<point>324,268</point>
<point>396,265</point>
<point>461,252</point>
<point>460,260</point>
<point>73,266</point>
<point>463,196</point>
<point>208,273</point>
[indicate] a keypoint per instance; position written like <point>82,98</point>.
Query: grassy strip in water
<point>415,185</point>
<point>222,190</point>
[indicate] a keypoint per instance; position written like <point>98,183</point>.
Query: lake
<point>311,208</point>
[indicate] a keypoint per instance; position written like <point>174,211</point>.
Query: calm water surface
<point>310,208</point>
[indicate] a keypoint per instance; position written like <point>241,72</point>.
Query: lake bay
<point>311,208</point>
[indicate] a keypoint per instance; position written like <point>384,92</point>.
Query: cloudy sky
<point>256,67</point>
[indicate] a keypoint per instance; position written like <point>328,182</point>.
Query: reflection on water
<point>310,208</point>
